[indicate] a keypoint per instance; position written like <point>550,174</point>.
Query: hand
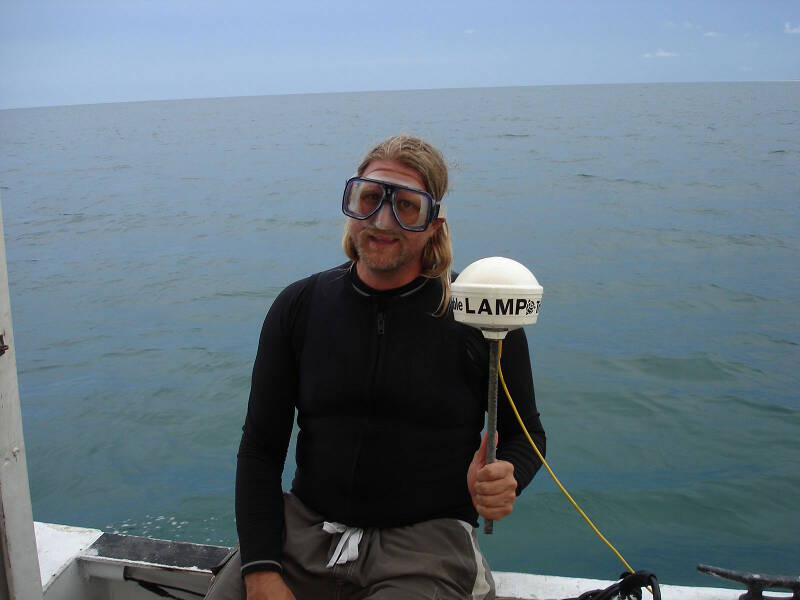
<point>266,585</point>
<point>492,487</point>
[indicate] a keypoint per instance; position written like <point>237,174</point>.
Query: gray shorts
<point>437,559</point>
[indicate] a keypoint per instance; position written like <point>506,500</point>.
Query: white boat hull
<point>78,563</point>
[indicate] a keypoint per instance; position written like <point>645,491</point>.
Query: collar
<point>400,292</point>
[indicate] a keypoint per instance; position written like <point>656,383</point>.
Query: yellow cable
<point>549,470</point>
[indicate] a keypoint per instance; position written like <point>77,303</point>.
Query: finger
<point>482,448</point>
<point>504,498</point>
<point>496,487</point>
<point>500,469</point>
<point>495,513</point>
<point>480,454</point>
<point>496,500</point>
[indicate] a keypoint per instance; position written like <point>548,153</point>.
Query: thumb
<point>482,450</point>
<point>480,453</point>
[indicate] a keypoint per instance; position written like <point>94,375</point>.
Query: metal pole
<point>491,420</point>
<point>20,578</point>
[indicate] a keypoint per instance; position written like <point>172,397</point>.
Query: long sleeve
<point>512,444</point>
<point>266,433</point>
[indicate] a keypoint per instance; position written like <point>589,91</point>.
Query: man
<point>390,394</point>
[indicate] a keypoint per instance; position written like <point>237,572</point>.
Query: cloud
<point>660,53</point>
<point>711,34</point>
<point>469,31</point>
<point>787,28</point>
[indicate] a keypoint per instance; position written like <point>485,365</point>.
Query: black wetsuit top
<point>391,403</point>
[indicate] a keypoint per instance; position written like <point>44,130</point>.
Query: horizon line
<point>378,91</point>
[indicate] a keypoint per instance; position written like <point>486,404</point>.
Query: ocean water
<point>146,241</point>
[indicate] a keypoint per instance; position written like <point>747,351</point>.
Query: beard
<point>381,259</point>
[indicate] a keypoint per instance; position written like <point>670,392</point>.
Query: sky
<point>85,51</point>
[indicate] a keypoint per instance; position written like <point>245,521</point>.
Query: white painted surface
<point>550,587</point>
<point>18,566</point>
<point>58,546</point>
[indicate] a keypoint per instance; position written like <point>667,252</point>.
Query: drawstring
<point>347,549</point>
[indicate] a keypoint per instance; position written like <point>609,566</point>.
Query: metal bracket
<point>757,583</point>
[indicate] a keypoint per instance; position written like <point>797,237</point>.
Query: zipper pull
<point>381,323</point>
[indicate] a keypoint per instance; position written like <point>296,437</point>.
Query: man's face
<point>389,255</point>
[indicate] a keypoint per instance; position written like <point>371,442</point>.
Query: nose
<point>384,218</point>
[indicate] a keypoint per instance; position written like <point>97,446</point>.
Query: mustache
<point>377,232</point>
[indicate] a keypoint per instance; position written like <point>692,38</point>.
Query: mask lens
<point>362,198</point>
<point>411,208</point>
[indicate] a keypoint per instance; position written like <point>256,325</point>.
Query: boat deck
<point>89,564</point>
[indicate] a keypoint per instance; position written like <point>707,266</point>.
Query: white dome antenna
<point>495,295</point>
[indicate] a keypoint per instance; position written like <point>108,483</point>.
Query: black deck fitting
<point>756,583</point>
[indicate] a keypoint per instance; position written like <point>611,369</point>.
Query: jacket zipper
<point>380,317</point>
<point>381,322</point>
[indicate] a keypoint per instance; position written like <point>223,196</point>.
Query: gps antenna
<point>496,295</point>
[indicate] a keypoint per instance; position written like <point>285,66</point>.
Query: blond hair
<point>416,153</point>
